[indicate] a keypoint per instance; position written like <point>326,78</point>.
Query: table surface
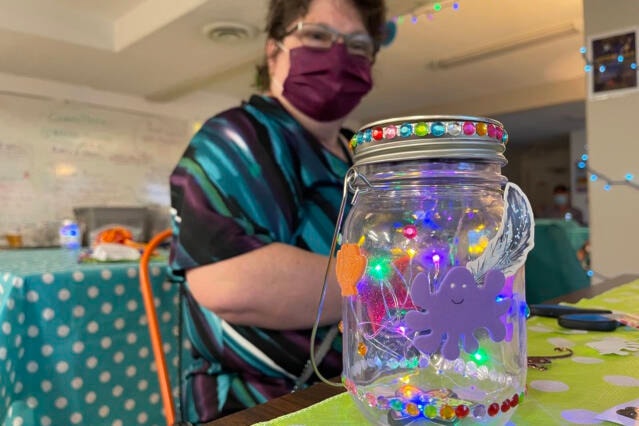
<point>319,392</point>
<point>74,344</point>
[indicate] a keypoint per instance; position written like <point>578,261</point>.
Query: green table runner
<point>572,391</point>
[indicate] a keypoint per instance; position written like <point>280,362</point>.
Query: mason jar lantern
<point>430,265</point>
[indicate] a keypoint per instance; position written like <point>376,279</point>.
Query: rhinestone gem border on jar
<point>430,130</point>
<point>440,410</point>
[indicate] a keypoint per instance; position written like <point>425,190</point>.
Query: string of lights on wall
<point>594,175</point>
<point>621,59</point>
<point>428,13</point>
<point>421,14</point>
<point>608,182</point>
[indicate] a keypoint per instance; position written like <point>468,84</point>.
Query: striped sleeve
<point>227,194</point>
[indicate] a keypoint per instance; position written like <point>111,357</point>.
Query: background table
<point>552,267</point>
<point>582,380</point>
<point>74,344</point>
<point>576,233</point>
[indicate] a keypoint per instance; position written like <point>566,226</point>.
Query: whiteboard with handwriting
<point>57,155</point>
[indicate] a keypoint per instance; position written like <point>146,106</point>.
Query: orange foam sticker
<point>350,268</point>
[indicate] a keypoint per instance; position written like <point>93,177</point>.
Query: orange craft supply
<point>116,234</point>
<point>350,268</point>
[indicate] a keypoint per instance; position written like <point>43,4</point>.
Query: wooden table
<point>319,392</point>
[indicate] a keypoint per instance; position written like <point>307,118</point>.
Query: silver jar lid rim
<point>430,137</point>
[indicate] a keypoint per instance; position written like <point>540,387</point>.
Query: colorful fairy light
<point>379,269</point>
<point>410,231</point>
<point>480,357</point>
<point>427,12</point>
<point>396,251</point>
<point>362,349</point>
<point>477,240</point>
<point>433,257</point>
<point>409,392</point>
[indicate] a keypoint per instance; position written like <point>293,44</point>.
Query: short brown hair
<point>282,13</point>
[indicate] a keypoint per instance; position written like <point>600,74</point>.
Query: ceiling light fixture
<point>229,32</point>
<point>525,40</point>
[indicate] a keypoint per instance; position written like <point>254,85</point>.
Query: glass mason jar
<point>431,270</point>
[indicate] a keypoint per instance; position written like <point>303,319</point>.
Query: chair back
<point>154,328</point>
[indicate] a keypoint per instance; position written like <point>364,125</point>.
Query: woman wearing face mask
<point>255,198</point>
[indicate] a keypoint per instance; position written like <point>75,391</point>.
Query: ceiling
<point>110,9</point>
<point>156,50</point>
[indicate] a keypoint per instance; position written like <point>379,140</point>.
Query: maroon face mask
<point>326,84</point>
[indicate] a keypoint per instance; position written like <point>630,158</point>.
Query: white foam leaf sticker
<point>507,251</point>
<point>614,346</point>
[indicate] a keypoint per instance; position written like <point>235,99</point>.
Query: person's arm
<point>232,209</point>
<point>277,286</point>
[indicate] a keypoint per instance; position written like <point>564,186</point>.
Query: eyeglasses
<point>321,36</point>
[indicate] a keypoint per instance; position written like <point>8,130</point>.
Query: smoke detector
<point>229,32</point>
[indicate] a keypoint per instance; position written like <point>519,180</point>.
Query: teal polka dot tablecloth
<point>74,342</point>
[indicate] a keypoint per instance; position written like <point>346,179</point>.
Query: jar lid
<point>440,136</point>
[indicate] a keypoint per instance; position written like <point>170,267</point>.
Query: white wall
<point>194,107</point>
<point>64,146</point>
<point>613,147</point>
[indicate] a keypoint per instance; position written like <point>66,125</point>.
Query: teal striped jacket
<point>251,176</point>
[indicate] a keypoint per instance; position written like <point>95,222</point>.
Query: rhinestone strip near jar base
<point>412,403</point>
<point>430,130</point>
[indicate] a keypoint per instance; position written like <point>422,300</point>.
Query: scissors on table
<point>585,318</point>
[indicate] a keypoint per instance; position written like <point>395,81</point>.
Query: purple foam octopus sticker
<point>456,310</point>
